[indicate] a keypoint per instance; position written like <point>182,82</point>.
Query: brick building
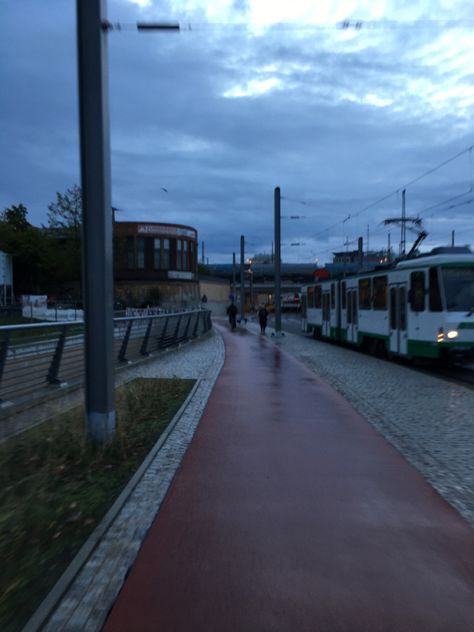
<point>155,263</point>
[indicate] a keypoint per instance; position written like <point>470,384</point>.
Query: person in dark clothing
<point>262,318</point>
<point>232,314</point>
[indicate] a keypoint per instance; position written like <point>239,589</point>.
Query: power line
<point>395,191</point>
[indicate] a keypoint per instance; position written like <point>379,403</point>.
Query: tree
<point>16,217</point>
<point>65,220</point>
<point>66,212</point>
<point>28,246</point>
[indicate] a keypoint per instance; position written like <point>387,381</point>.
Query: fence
<point>35,356</point>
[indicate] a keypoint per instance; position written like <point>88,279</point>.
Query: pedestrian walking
<point>232,314</point>
<point>262,318</point>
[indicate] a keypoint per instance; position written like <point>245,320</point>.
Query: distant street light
<point>92,29</point>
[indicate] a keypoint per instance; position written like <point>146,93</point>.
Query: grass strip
<point>55,487</point>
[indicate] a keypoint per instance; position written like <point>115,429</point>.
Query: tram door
<point>398,318</point>
<point>352,316</point>
<point>326,329</point>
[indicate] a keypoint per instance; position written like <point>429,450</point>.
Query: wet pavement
<point>290,513</point>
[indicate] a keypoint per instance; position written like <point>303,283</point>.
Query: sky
<point>251,95</point>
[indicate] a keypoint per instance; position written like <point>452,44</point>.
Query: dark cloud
<point>345,123</point>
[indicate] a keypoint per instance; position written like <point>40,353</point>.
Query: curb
<point>51,601</point>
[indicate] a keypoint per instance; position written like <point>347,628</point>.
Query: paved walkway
<point>290,513</point>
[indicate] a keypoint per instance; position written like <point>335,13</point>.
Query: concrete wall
<point>137,294</point>
<point>217,293</point>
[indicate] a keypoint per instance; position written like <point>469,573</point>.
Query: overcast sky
<point>248,96</point>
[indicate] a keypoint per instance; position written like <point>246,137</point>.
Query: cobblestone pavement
<point>428,419</point>
<point>89,598</point>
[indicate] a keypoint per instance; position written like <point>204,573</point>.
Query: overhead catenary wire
<point>425,174</point>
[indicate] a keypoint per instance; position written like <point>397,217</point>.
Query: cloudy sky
<point>248,96</point>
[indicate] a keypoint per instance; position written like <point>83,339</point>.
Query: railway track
<point>454,373</point>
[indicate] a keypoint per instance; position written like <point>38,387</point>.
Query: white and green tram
<point>419,308</point>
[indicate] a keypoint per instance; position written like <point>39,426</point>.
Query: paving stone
<point>91,595</point>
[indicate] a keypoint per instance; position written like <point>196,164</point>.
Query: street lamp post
<point>242,287</point>
<point>277,262</point>
<point>97,225</point>
<point>97,220</point>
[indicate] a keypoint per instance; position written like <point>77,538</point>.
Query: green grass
<point>55,487</point>
<point>15,320</point>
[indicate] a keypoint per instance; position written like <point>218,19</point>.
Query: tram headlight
<point>453,334</point>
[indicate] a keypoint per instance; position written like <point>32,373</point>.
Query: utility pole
<point>203,260</point>
<point>452,239</point>
<point>277,266</point>
<point>233,276</point>
<point>97,220</point>
<point>403,226</point>
<point>360,254</point>
<point>242,288</point>
<point>388,247</point>
<point>368,236</point>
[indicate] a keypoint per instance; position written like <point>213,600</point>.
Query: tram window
<point>393,308</point>
<point>317,297</point>
<point>459,289</point>
<point>333,295</point>
<point>364,293</point>
<point>311,297</point>
<point>403,309</point>
<point>343,295</point>
<point>354,307</point>
<point>417,289</point>
<point>434,293</point>
<point>380,292</point>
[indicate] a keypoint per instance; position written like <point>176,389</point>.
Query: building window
<point>130,253</point>
<point>191,256</point>
<point>343,295</point>
<point>185,255</point>
<point>166,254</point>
<point>380,292</point>
<point>333,295</point>
<point>141,253</point>
<point>417,291</point>
<point>364,293</point>
<point>179,254</point>
<point>157,254</point>
<point>311,297</point>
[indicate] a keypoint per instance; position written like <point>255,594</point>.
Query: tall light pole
<point>233,276</point>
<point>277,201</point>
<point>97,219</point>
<point>97,269</point>
<point>242,287</point>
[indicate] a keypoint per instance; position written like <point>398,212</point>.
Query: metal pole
<point>242,288</point>
<point>251,288</point>
<point>233,275</point>
<point>277,263</point>
<point>403,238</point>
<point>97,219</point>
<point>452,239</point>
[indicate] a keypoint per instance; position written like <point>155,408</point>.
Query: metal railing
<point>36,355</point>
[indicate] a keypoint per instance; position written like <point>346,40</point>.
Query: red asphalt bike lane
<point>291,513</point>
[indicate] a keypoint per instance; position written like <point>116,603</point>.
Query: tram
<point>421,307</point>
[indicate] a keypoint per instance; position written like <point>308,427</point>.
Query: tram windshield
<point>459,289</point>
